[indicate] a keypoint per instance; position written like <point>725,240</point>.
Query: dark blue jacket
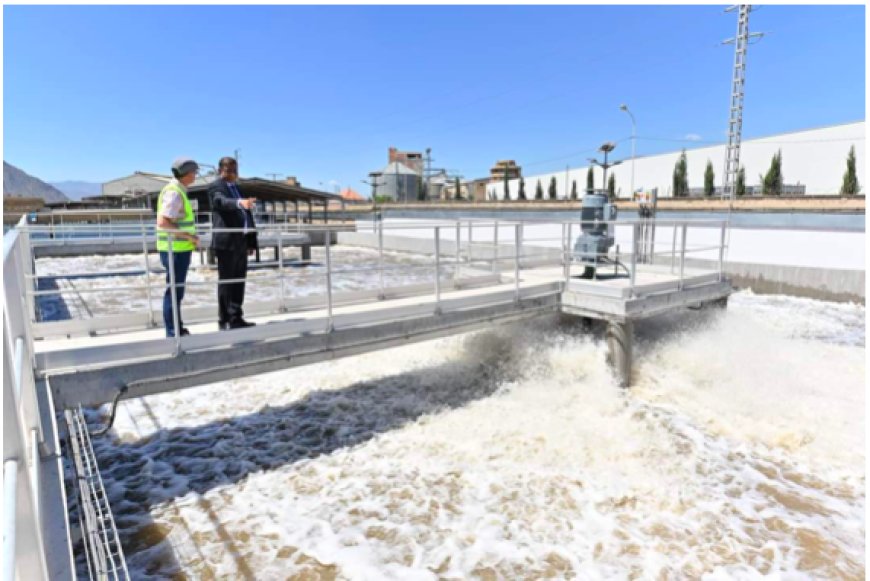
<point>225,213</point>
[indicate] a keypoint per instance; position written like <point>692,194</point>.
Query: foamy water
<point>353,269</point>
<point>512,454</point>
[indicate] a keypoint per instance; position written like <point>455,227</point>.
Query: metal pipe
<point>10,522</point>
<point>147,279</point>
<point>381,260</point>
<point>458,255</point>
<point>469,254</point>
<point>565,245</point>
<point>634,242</point>
<point>34,473</point>
<point>327,241</point>
<point>517,244</point>
<point>682,256</point>
<point>438,267</point>
<point>674,249</point>
<point>18,367</point>
<point>721,252</point>
<point>281,269</point>
<point>173,295</point>
<point>495,244</point>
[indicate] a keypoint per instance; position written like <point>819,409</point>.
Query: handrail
<point>484,251</point>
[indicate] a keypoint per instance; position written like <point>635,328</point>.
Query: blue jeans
<point>181,264</point>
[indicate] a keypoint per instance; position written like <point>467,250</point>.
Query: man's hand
<point>251,251</point>
<point>194,239</point>
<point>247,203</point>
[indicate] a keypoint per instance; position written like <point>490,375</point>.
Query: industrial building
<point>813,163</point>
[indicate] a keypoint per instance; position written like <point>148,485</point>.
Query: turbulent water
<point>511,454</point>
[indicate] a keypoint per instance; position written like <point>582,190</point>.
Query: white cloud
<point>692,137</point>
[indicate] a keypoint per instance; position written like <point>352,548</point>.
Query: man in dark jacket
<point>231,210</point>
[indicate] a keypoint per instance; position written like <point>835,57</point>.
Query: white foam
<point>738,453</point>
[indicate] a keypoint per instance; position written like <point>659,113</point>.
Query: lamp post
<point>624,107</point>
<point>605,149</point>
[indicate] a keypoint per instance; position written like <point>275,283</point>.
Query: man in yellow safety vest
<point>176,237</point>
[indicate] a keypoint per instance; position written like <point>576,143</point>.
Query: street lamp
<point>624,107</point>
<point>605,149</point>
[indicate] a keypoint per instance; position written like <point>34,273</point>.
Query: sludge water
<point>511,454</point>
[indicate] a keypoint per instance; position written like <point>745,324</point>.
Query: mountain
<point>76,190</point>
<point>19,184</point>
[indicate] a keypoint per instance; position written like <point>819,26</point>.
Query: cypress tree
<point>573,189</point>
<point>709,178</point>
<point>771,184</point>
<point>681,177</point>
<point>552,189</point>
<point>740,186</point>
<point>539,191</point>
<point>611,187</point>
<point>522,194</point>
<point>850,178</point>
<point>590,180</point>
<point>458,194</point>
<point>507,188</point>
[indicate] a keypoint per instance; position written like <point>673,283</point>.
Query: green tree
<point>507,188</point>
<point>611,187</point>
<point>539,191</point>
<point>590,180</point>
<point>522,194</point>
<point>709,179</point>
<point>850,178</point>
<point>681,177</point>
<point>573,189</point>
<point>740,186</point>
<point>771,184</point>
<point>458,194</point>
<point>551,190</point>
<point>421,189</point>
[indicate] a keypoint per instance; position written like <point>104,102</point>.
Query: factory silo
<point>399,182</point>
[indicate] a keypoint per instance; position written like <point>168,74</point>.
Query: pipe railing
<point>468,251</point>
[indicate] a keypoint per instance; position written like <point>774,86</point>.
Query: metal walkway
<point>479,274</point>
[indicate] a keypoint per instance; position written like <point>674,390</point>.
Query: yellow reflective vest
<point>187,223</point>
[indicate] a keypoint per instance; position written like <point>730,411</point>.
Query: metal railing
<point>24,554</point>
<point>477,243</point>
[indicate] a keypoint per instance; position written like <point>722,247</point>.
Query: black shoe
<point>184,332</point>
<point>241,324</point>
<point>223,326</point>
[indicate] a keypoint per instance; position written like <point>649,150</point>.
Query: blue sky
<point>94,93</point>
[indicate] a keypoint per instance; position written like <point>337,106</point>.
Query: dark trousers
<point>231,264</point>
<point>181,264</point>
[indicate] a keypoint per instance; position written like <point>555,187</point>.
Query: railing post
<point>281,269</point>
<point>682,255</point>
<point>10,521</point>
<point>518,229</point>
<point>147,273</point>
<point>634,249</point>
<point>173,294</point>
<point>329,326</point>
<point>458,256</point>
<point>381,292</point>
<point>721,252</point>
<point>438,268</point>
<point>565,260</point>
<point>470,252</point>
<point>495,247</point>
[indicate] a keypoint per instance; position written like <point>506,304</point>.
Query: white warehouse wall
<point>815,158</point>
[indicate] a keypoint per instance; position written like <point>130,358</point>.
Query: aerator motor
<point>597,231</point>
